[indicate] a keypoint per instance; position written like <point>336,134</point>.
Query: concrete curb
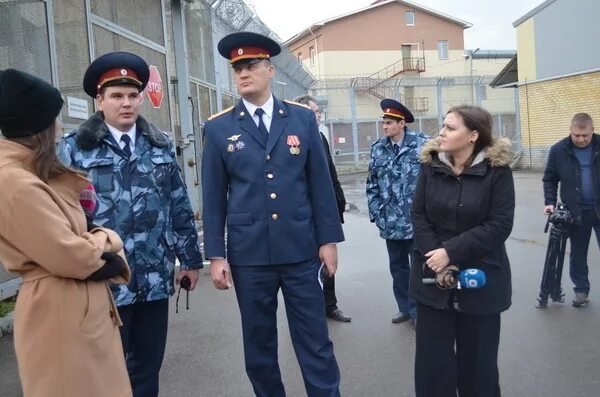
<point>6,324</point>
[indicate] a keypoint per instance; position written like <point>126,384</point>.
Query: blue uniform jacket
<point>143,199</point>
<point>279,207</point>
<point>391,184</point>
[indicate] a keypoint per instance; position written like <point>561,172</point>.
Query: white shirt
<point>117,135</point>
<point>267,107</point>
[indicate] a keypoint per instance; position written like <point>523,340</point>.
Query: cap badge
<point>240,51</point>
<point>123,72</point>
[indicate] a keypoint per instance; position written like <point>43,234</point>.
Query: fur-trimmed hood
<point>499,154</point>
<point>92,131</point>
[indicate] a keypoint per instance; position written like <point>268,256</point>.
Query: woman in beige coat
<point>66,325</point>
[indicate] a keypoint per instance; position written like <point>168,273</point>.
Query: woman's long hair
<point>476,119</point>
<point>44,159</point>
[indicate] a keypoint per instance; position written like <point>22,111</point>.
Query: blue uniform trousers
<point>398,251</point>
<point>144,336</point>
<point>256,289</point>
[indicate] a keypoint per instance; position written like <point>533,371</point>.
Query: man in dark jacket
<point>332,310</point>
<point>573,161</point>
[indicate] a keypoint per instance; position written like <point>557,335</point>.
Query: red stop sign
<point>154,88</point>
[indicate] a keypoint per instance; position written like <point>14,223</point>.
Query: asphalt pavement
<point>550,353</point>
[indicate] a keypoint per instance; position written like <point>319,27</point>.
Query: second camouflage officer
<point>142,197</point>
<point>393,172</point>
<point>265,176</point>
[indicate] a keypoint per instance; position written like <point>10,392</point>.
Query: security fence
<point>57,39</point>
<point>352,113</point>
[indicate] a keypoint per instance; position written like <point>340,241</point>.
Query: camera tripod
<point>553,265</point>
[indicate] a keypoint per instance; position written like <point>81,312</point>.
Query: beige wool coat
<point>66,329</point>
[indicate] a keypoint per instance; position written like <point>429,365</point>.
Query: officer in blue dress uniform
<point>265,176</point>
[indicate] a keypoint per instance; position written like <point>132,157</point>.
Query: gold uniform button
<point>270,176</point>
<point>275,216</point>
<point>273,196</point>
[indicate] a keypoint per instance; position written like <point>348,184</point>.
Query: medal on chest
<point>294,143</point>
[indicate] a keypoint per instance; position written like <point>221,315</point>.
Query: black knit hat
<point>28,105</point>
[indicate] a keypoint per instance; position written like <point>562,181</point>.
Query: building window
<point>312,56</point>
<point>410,18</point>
<point>443,49</point>
<point>300,57</point>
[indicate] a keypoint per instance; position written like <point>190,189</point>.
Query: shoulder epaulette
<point>376,142</point>
<point>69,134</point>
<point>220,113</point>
<point>297,104</point>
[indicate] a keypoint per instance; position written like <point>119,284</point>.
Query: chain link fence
<point>352,113</point>
<point>57,39</point>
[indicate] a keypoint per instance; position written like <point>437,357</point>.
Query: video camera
<point>560,218</point>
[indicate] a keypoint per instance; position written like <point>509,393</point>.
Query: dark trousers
<point>456,351</point>
<point>580,241</point>
<point>256,288</point>
<point>398,252</point>
<point>329,294</point>
<point>144,336</point>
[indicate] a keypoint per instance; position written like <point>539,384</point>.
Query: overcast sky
<point>492,19</point>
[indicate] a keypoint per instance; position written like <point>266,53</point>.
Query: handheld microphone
<point>468,278</point>
<point>87,199</point>
<point>471,278</point>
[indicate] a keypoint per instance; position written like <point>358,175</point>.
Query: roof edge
<point>532,12</point>
<point>319,24</point>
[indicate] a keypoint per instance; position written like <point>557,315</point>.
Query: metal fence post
<point>354,123</point>
<point>332,141</point>
<point>517,135</point>
<point>500,129</point>
<point>439,102</point>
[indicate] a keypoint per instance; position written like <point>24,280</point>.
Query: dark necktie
<point>396,149</point>
<point>127,140</point>
<point>261,125</point>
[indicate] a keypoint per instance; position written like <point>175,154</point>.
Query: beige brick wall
<point>546,111</point>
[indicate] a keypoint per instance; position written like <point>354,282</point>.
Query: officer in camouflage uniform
<point>393,172</point>
<point>142,197</point>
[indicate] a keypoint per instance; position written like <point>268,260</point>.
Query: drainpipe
<point>316,51</point>
<point>187,139</point>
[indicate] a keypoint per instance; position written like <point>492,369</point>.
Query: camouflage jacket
<point>391,184</point>
<point>143,199</point>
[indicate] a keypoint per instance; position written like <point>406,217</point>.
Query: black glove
<point>113,267</point>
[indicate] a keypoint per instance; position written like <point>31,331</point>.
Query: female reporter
<point>462,214</point>
<point>66,325</point>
